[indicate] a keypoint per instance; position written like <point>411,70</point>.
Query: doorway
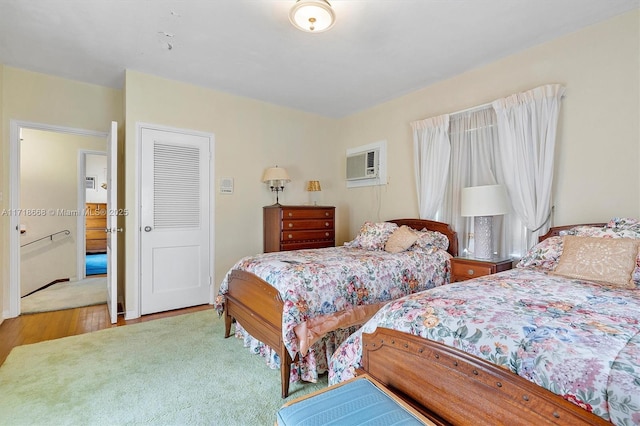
<point>93,177</point>
<point>48,245</point>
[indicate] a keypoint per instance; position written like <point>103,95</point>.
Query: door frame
<point>137,269</point>
<point>14,200</point>
<point>82,204</point>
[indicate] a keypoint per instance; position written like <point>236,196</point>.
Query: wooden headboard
<point>555,231</point>
<point>432,225</point>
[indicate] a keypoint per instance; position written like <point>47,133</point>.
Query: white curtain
<point>473,137</point>
<point>431,149</point>
<point>527,124</point>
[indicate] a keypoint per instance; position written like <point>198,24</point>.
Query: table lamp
<point>275,178</point>
<point>313,186</point>
<point>482,203</point>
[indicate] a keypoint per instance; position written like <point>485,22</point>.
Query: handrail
<point>66,232</point>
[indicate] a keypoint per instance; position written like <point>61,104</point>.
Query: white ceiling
<point>377,50</point>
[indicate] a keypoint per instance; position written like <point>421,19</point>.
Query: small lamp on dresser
<point>275,178</point>
<point>482,203</point>
<point>313,186</point>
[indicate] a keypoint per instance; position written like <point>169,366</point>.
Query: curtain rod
<point>483,106</point>
<point>462,111</point>
<point>473,108</point>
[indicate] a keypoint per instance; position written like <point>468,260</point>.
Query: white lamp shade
<point>275,173</point>
<point>487,200</point>
<point>313,16</point>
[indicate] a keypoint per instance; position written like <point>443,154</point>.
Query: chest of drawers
<point>95,223</point>
<point>298,227</point>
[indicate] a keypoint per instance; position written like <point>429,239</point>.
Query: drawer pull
<point>326,214</point>
<point>290,214</point>
<point>326,234</point>
<point>326,224</point>
<point>470,272</point>
<point>290,236</point>
<point>291,225</point>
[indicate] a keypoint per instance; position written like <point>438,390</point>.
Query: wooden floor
<point>33,328</point>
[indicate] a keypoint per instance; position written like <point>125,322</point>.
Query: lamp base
<point>277,190</point>
<point>482,230</point>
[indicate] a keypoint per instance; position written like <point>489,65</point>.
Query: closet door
<point>175,220</point>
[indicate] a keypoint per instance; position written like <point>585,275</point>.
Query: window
<point>473,136</point>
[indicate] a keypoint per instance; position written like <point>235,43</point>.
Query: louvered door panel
<point>176,191</point>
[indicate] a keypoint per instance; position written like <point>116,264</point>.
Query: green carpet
<point>172,371</point>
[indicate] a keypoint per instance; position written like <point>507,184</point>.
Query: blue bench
<point>359,401</point>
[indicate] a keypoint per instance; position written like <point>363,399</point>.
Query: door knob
<point>147,229</point>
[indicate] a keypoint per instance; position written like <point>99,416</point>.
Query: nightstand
<point>465,268</point>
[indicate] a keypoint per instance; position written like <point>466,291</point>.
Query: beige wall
<point>250,136</point>
<point>49,185</point>
<point>40,98</point>
<point>598,148</point>
<point>96,166</point>
<point>4,254</point>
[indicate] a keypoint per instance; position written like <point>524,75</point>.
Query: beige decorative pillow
<point>400,240</point>
<point>606,260</point>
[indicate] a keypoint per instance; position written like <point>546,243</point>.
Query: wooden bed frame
<point>452,387</point>
<point>555,231</point>
<point>258,306</point>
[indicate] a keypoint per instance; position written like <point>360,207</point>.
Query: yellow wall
<point>96,166</point>
<point>250,136</point>
<point>596,169</point>
<point>49,187</point>
<point>4,223</point>
<point>40,98</point>
<point>598,147</point>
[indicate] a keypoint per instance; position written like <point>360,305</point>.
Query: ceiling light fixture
<point>313,16</point>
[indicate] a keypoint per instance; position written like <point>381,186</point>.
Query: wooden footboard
<point>258,307</point>
<point>453,387</point>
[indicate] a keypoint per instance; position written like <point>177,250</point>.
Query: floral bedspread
<point>330,280</point>
<point>578,339</point>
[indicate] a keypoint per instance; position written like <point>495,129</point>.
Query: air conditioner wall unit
<point>363,165</point>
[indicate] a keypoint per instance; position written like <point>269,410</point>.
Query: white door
<point>175,220</point>
<point>112,222</point>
